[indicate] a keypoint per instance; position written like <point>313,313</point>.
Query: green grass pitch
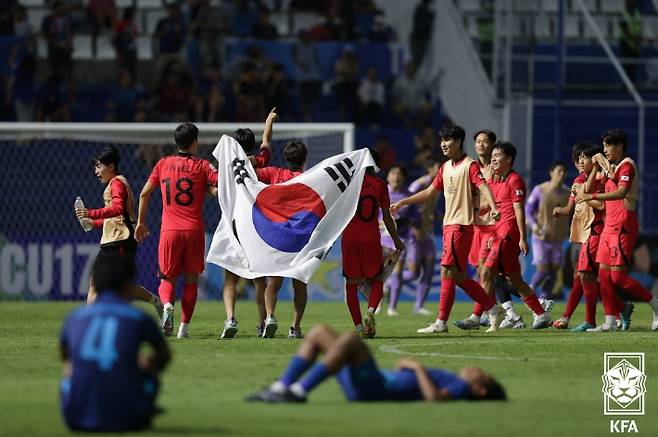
<point>553,378</point>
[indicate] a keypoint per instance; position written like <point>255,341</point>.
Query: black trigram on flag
<point>341,173</point>
<point>239,172</point>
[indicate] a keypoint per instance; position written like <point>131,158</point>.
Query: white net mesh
<point>44,254</point>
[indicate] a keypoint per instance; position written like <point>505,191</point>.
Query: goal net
<point>44,254</point>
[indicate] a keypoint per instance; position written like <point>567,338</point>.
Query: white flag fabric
<point>282,229</point>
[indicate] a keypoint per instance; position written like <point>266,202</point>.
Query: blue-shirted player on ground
<point>347,357</point>
<point>108,385</point>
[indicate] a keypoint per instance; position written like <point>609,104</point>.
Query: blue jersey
<point>107,390</point>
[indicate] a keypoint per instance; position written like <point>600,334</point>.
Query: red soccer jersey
<point>263,158</point>
<point>599,214</point>
<point>507,191</point>
<point>474,175</point>
<point>364,226</point>
<point>275,175</point>
<point>183,179</point>
<point>616,216</point>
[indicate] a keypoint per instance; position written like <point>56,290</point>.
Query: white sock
<point>474,317</point>
<point>493,311</point>
<point>509,310</point>
<point>654,304</point>
<point>298,390</point>
<point>440,322</point>
<point>183,326</point>
<point>278,387</point>
<point>359,327</point>
<point>610,321</point>
<point>168,305</point>
<point>371,310</point>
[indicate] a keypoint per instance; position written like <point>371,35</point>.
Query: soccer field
<point>553,378</point>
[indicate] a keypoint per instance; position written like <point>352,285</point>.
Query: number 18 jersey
<point>183,180</point>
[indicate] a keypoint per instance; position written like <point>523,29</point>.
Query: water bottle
<point>84,222</point>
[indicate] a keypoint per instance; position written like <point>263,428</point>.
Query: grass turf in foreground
<point>553,378</point>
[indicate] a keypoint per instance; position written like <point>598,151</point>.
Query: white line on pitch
<point>398,351</point>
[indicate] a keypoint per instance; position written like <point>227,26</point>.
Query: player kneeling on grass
<point>361,248</point>
<point>347,357</point>
<point>108,385</point>
<point>116,219</point>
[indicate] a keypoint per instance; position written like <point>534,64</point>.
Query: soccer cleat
<point>603,328</point>
<point>230,328</point>
<point>271,325</point>
<point>273,397</point>
<point>467,323</point>
<point>484,320</point>
<point>512,323</point>
<point>547,304</point>
<point>259,330</point>
<point>392,312</point>
<point>295,333</point>
<point>583,327</point>
<point>496,322</point>
<point>167,324</point>
<point>369,330</point>
<point>543,321</point>
<point>159,309</point>
<point>259,396</point>
<point>560,324</point>
<point>434,328</point>
<point>183,332</point>
<point>626,316</point>
<point>422,311</point>
<point>654,325</point>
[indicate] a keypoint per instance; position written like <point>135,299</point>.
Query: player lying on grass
<point>108,383</point>
<point>116,219</point>
<point>348,358</point>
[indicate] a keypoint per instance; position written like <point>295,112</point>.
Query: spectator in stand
<point>380,31</point>
<point>211,109</point>
<point>387,155</point>
<point>170,34</point>
<point>346,82</point>
<point>308,73</point>
<point>57,31</point>
<point>263,28</point>
<point>50,102</point>
<point>208,23</point>
<point>364,17</point>
<point>244,19</point>
<point>427,145</point>
<point>124,41</point>
<point>325,31</point>
<point>23,64</point>
<point>102,15</point>
<point>250,92</point>
<point>277,90</point>
<point>422,30</point>
<point>630,38</point>
<point>410,101</point>
<point>372,97</point>
<point>175,93</point>
<point>128,103</point>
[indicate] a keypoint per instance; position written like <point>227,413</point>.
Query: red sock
<point>591,296</point>
<point>574,298</point>
<point>188,302</point>
<point>167,292</point>
<point>608,295</point>
<point>353,303</point>
<point>630,286</point>
<point>447,298</point>
<point>376,293</point>
<point>532,302</point>
<point>477,293</point>
<point>478,309</point>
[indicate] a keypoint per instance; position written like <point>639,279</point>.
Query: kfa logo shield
<point>623,384</point>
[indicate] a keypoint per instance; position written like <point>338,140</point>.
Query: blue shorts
<point>363,382</point>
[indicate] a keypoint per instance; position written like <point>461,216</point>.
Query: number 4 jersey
<point>183,180</point>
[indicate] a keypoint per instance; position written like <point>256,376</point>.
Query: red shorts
<point>480,237</point>
<point>503,256</point>
<point>181,252</point>
<point>457,241</point>
<point>361,259</point>
<point>587,255</point>
<point>616,249</point>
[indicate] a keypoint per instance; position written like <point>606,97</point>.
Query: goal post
<point>44,254</point>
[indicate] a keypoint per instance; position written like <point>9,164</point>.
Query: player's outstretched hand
<point>557,211</point>
<point>141,232</point>
<point>395,207</point>
<point>273,116</point>
<point>523,245</point>
<point>81,213</point>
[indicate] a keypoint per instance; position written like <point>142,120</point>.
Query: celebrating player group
<point>386,245</point>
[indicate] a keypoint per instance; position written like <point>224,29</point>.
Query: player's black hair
<point>495,391</point>
<point>246,139</point>
<point>557,164</point>
<point>399,167</point>
<point>185,135</point>
<point>615,136</point>
<point>111,272</point>
<point>453,132</point>
<point>590,149</point>
<point>489,133</point>
<point>577,149</point>
<point>295,153</point>
<point>507,148</point>
<point>108,155</point>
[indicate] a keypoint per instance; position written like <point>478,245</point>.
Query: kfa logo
<point>623,425</point>
<point>239,171</point>
<point>623,384</point>
<point>341,173</point>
